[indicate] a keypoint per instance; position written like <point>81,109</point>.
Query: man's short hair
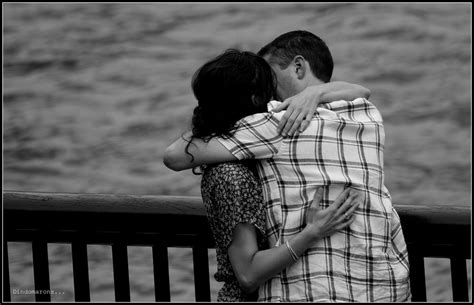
<point>285,47</point>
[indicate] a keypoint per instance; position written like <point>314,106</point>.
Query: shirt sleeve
<point>256,137</point>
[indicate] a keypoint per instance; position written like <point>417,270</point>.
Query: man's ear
<point>299,66</point>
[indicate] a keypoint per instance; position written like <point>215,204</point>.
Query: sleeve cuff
<point>233,148</point>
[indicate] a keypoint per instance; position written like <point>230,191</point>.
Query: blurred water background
<point>94,92</point>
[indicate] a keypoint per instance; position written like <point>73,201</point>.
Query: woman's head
<point>228,88</point>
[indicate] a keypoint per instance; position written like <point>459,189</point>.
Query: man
<point>341,147</point>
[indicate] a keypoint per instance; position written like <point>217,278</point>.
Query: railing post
<point>161,273</point>
<point>459,280</point>
<point>201,272</point>
<point>81,271</point>
<point>417,275</point>
<point>41,270</point>
<point>6,273</point>
<point>121,277</point>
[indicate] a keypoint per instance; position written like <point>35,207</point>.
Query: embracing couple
<point>293,178</point>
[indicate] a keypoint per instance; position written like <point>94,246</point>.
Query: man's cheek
<point>279,96</point>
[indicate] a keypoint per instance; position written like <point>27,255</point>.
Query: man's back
<point>342,147</point>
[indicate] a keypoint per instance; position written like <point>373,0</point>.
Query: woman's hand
<point>300,108</point>
<point>321,223</point>
<point>253,267</point>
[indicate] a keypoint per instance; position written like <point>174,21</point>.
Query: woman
<point>234,85</point>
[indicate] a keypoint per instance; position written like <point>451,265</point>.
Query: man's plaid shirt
<point>342,147</point>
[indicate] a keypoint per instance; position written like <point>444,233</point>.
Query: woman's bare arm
<point>253,267</point>
<point>213,151</point>
<point>301,107</point>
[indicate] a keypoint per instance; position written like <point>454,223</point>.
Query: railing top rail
<point>188,205</point>
<point>104,203</point>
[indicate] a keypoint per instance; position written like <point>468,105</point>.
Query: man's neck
<point>313,81</point>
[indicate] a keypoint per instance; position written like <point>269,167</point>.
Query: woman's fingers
<point>289,121</point>
<point>284,121</point>
<point>306,122</point>
<point>282,106</point>
<point>347,214</point>
<point>340,200</point>
<point>347,203</point>
<point>345,223</point>
<point>315,204</point>
<point>297,123</point>
<point>354,207</point>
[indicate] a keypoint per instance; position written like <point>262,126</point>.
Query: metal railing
<point>173,221</point>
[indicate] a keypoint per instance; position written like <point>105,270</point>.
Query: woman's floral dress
<point>232,194</point>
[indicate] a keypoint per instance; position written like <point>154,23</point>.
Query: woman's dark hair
<point>228,88</point>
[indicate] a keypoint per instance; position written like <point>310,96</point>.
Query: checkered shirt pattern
<point>342,147</point>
